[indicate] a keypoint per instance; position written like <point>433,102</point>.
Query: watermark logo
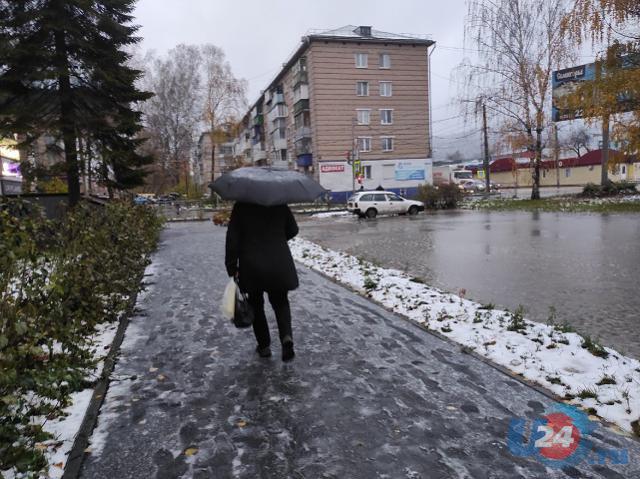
<point>560,439</point>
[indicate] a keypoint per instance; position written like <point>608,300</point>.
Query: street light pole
<point>486,152</point>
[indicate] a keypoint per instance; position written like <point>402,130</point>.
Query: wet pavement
<point>586,266</point>
<point>369,395</point>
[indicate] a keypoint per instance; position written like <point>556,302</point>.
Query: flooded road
<point>586,266</point>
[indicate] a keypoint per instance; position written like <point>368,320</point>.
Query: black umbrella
<point>267,186</point>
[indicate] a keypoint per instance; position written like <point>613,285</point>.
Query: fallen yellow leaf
<point>190,451</point>
<point>153,370</point>
<point>241,423</point>
<point>161,377</point>
<point>59,465</point>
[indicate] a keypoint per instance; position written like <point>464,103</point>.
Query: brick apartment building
<point>348,93</point>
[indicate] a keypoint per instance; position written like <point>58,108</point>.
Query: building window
<point>385,60</point>
<point>387,143</point>
<point>385,88</point>
<point>567,172</point>
<point>362,88</point>
<point>364,144</point>
<point>362,60</point>
<point>364,117</point>
<point>367,172</point>
<point>283,155</point>
<point>386,117</point>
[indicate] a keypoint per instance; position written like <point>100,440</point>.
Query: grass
<point>517,322</point>
<point>607,379</point>
<point>369,283</point>
<point>588,394</point>
<point>562,204</point>
<point>594,347</point>
<point>554,380</point>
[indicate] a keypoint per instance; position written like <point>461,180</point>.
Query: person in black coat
<point>257,254</point>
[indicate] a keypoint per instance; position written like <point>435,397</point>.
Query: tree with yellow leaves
<point>613,27</point>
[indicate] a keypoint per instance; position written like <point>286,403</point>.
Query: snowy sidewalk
<point>368,396</point>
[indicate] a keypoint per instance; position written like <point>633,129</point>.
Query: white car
<point>373,203</point>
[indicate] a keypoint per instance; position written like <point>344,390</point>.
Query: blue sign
<point>410,170</point>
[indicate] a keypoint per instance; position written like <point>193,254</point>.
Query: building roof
<point>591,158</point>
<point>355,32</point>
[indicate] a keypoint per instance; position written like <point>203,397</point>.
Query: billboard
<point>565,82</point>
<point>410,170</point>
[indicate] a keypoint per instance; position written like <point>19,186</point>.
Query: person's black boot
<point>287,349</point>
<point>264,352</point>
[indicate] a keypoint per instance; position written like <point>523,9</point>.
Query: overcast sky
<point>258,36</point>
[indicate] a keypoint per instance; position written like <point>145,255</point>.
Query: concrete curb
<point>465,350</point>
<point>77,454</point>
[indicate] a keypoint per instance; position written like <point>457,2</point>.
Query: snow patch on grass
<point>565,363</point>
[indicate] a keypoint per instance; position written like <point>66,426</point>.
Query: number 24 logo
<point>563,437</point>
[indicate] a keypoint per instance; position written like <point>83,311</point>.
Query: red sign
<point>331,168</point>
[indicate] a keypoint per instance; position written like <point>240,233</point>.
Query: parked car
<point>142,200</point>
<point>372,203</point>
<point>472,186</point>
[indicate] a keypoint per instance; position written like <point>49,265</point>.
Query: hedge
<point>59,280</point>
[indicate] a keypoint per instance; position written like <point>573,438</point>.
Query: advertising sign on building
<point>410,170</point>
<point>565,82</point>
<point>332,168</point>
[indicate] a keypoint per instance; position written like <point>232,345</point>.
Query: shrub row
<point>611,188</point>
<point>59,280</point>
<point>444,196</point>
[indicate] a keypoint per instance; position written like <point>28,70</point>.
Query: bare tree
<point>173,115</point>
<point>224,96</point>
<point>577,140</point>
<point>519,43</point>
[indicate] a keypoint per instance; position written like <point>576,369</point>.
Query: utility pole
<point>352,155</point>
<point>1,178</point>
<point>604,177</point>
<point>556,153</point>
<point>487,178</point>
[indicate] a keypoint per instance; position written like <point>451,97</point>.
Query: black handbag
<point>243,314</point>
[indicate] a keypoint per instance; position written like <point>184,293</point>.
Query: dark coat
<point>257,247</point>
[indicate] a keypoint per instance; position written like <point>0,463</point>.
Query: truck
<point>450,174</point>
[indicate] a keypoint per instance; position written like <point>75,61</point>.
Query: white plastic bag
<point>228,305</point>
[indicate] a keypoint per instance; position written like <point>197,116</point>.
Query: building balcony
<point>258,153</point>
<point>301,77</point>
<point>302,132</point>
<point>300,106</point>
<point>277,98</point>
<point>278,111</point>
<point>258,120</point>
<point>280,143</point>
<point>303,146</point>
<point>301,92</point>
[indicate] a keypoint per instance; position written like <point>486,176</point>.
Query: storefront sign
<point>331,168</point>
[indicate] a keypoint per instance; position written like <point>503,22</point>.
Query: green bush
<point>439,197</point>
<point>610,188</point>
<point>58,281</point>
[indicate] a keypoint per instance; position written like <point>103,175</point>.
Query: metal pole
<point>604,176</point>
<point>556,153</point>
<point>486,152</point>
<point>1,178</point>
<point>353,154</point>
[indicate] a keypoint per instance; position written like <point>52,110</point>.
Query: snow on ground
<point>65,428</point>
<point>549,355</point>
<point>331,214</point>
